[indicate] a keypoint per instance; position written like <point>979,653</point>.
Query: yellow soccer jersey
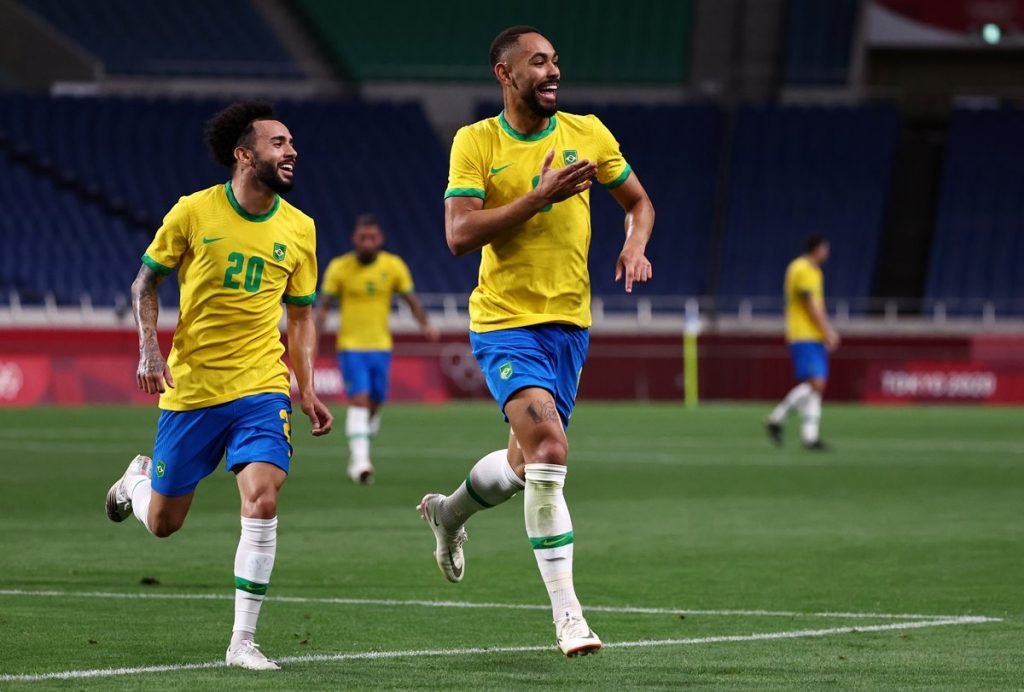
<point>365,291</point>
<point>537,272</point>
<point>803,278</point>
<point>234,269</point>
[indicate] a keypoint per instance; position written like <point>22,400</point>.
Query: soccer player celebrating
<point>811,337</point>
<point>239,250</point>
<point>518,189</point>
<point>364,281</point>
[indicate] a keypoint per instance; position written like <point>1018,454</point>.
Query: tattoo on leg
<point>542,411</point>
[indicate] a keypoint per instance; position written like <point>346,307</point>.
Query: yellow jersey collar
<point>536,136</point>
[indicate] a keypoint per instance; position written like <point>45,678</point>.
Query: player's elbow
<point>457,243</point>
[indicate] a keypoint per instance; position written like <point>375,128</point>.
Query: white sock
<point>140,495</point>
<point>549,527</point>
<point>490,482</point>
<point>375,423</point>
<point>810,415</point>
<point>794,399</point>
<point>357,427</point>
<point>254,561</point>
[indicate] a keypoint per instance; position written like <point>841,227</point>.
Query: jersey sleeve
<point>331,284</point>
<point>466,168</point>
<point>806,281</point>
<point>301,288</point>
<point>171,240</point>
<point>612,168</point>
<point>403,277</point>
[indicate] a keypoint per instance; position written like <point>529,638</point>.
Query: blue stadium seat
<point>184,37</point>
<point>798,171</point>
<point>978,248</point>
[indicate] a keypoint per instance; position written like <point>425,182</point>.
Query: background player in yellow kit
<point>240,250</point>
<point>364,281</point>
<point>811,338</point>
<point>518,189</point>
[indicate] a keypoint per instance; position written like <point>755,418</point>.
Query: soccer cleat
<point>817,446</point>
<point>574,636</point>
<point>361,474</point>
<point>774,431</point>
<point>119,504</point>
<point>246,654</point>
<point>448,555</point>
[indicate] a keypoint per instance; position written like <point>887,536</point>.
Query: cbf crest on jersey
<point>570,156</point>
<point>279,251</point>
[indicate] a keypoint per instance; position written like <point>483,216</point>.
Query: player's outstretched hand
<point>319,415</point>
<point>432,333</point>
<point>558,184</point>
<point>634,266</point>
<point>153,372</point>
<point>831,340</point>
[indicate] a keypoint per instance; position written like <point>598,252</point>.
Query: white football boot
<point>246,654</point>
<point>574,636</point>
<point>448,554</point>
<point>119,504</point>
<point>361,474</point>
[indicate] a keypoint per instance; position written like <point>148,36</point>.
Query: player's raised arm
<point>302,351</point>
<point>633,265</point>
<point>153,371</point>
<point>468,226</point>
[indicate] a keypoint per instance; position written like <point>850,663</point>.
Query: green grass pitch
<point>792,565</point>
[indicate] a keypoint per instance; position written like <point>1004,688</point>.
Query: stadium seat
<point>185,37</point>
<point>977,250</point>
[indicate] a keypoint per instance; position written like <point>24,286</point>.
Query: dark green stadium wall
<point>600,41</point>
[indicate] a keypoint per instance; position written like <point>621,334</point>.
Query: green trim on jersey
<point>465,192</point>
<point>161,269</point>
<point>252,587</point>
<point>473,494</point>
<point>246,215</point>
<point>623,177</point>
<point>545,542</point>
<point>515,134</point>
<point>300,300</point>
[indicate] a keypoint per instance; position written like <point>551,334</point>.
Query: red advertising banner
<point>80,366</point>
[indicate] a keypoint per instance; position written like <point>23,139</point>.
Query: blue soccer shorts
<point>366,372</point>
<point>549,356</point>
<point>190,444</point>
<point>810,360</point>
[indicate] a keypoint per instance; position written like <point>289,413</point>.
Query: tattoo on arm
<point>145,305</point>
<point>541,411</point>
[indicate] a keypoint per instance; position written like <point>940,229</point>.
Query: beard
<point>266,173</point>
<point>535,106</point>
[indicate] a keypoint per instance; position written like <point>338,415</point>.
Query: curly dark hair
<point>232,127</point>
<point>506,39</point>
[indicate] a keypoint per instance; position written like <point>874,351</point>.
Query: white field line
<point>628,610</point>
<point>419,653</point>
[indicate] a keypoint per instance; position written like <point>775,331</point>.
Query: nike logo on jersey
<point>496,171</point>
<point>207,241</point>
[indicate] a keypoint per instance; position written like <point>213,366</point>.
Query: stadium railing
<point>644,313</point>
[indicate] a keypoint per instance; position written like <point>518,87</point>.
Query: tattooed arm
<point>152,372</point>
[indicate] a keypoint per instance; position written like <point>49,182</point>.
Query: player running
<point>239,250</point>
<point>363,281</point>
<point>518,188</point>
<point>811,338</point>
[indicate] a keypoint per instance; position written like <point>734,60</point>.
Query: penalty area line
<point>626,610</point>
<point>420,653</point>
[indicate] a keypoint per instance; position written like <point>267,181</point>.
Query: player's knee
<point>163,525</point>
<point>553,449</point>
<point>260,505</point>
<point>818,383</point>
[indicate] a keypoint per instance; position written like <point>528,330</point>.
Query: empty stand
<point>798,171</point>
<point>184,37</point>
<point>978,247</point>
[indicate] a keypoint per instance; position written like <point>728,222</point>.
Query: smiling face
<point>273,154</point>
<point>530,72</point>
